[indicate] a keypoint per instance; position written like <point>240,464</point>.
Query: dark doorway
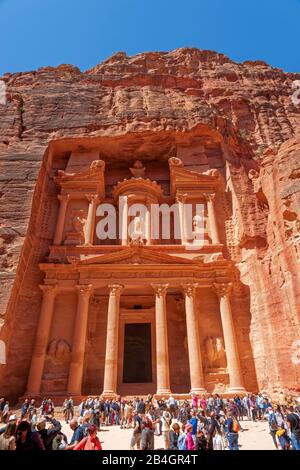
<point>137,366</point>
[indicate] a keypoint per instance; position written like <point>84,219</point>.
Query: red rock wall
<point>198,104</point>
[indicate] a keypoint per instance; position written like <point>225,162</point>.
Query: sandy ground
<point>254,437</point>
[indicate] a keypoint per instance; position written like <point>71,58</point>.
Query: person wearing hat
<point>48,428</point>
<point>11,419</point>
<point>166,421</point>
<point>91,442</point>
<point>137,431</point>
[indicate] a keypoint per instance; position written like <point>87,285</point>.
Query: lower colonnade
<point>110,382</point>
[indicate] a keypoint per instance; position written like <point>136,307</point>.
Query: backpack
<point>273,423</point>
<point>235,425</point>
<point>181,443</point>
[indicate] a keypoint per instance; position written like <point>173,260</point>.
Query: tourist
<point>24,409</point>
<point>34,419</point>
<point>31,409</point>
<point>78,434</point>
<point>91,442</point>
<point>60,442</point>
<point>28,439</point>
<point>2,403</point>
<point>48,428</point>
<point>194,422</point>
<point>137,431</point>
<point>8,439</point>
<point>273,425</point>
<point>293,421</point>
<point>69,409</point>
<point>195,399</point>
<point>171,403</point>
<point>147,437</point>
<point>190,441</point>
<point>283,438</point>
<point>174,435</point>
<point>212,428</point>
<point>166,421</point>
<point>232,432</point>
<point>141,408</point>
<point>5,412</point>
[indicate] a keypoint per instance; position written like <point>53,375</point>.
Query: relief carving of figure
<point>215,352</point>
<point>59,349</point>
<point>138,170</point>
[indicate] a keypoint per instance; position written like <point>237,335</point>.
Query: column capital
<point>48,288</point>
<point>63,197</point>
<point>92,197</point>
<point>209,196</point>
<point>222,289</point>
<point>190,289</point>
<point>115,289</point>
<point>160,289</point>
<point>181,198</point>
<point>84,290</point>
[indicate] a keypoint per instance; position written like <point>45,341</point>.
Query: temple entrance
<point>137,366</point>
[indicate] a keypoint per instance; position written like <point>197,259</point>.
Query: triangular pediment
<point>135,255</point>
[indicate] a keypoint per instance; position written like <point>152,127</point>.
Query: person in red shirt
<point>91,442</point>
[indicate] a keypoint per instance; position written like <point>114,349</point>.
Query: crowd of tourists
<point>207,422</point>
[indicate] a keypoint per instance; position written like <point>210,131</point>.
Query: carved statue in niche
<point>215,352</point>
<point>78,221</point>
<point>57,360</point>
<point>137,235</point>
<point>77,235</point>
<point>138,170</point>
<point>59,349</point>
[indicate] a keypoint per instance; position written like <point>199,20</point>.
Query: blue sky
<point>36,33</point>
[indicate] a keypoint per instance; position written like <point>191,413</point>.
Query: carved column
<point>64,199</point>
<point>41,340</point>
<point>79,340</point>
<point>192,326</point>
<point>90,221</point>
<point>233,363</point>
<point>212,218</point>
<point>112,338</point>
<point>162,352</point>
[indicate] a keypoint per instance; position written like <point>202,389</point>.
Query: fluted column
<point>212,218</point>
<point>192,326</point>
<point>162,351</point>
<point>64,199</point>
<point>79,340</point>
<point>148,224</point>
<point>233,363</point>
<point>90,221</point>
<point>41,340</point>
<point>112,337</point>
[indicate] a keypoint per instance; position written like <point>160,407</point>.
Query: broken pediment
<point>183,180</point>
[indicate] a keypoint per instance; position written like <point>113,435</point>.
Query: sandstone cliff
<point>179,102</point>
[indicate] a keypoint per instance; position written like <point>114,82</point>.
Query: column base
<point>198,391</point>
<point>109,394</point>
<point>237,390</point>
<point>163,391</point>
